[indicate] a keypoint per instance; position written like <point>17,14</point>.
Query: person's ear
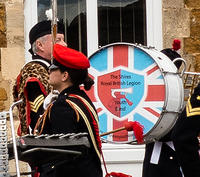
<point>39,45</point>
<point>65,76</point>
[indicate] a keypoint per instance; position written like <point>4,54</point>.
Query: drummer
<point>160,158</point>
<point>71,112</point>
<point>184,136</point>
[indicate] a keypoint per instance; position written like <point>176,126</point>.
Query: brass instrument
<point>190,81</point>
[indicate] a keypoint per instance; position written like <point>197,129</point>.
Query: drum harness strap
<point>157,151</point>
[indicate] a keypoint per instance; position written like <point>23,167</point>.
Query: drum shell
<point>174,92</point>
<point>174,98</point>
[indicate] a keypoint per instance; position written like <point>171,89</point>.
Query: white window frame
<point>153,18</point>
<point>154,23</point>
<point>30,19</point>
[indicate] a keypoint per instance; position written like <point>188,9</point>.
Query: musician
<point>32,83</point>
<point>184,136</point>
<point>160,157</point>
<point>71,112</point>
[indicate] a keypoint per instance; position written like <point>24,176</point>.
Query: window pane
<point>73,14</point>
<point>43,5</point>
<point>121,21</point>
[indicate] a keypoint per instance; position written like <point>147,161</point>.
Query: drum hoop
<point>119,43</point>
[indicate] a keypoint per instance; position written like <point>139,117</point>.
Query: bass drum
<point>135,83</point>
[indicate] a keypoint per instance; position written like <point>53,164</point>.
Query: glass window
<point>121,21</point>
<point>73,14</point>
<point>118,21</point>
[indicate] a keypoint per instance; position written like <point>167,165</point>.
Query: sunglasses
<point>53,67</point>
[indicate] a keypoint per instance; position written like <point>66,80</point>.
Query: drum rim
<point>117,43</point>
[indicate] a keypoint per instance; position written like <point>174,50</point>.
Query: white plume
<point>48,13</point>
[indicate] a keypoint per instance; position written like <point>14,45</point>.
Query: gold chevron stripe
<point>36,103</point>
<point>198,97</point>
<point>88,126</point>
<point>192,111</point>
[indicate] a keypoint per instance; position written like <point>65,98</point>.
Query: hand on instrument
<point>50,98</point>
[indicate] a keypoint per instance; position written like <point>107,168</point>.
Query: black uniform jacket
<point>184,135</point>
<point>63,119</point>
<point>167,165</point>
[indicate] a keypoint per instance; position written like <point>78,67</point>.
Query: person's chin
<point>54,88</point>
<point>52,85</point>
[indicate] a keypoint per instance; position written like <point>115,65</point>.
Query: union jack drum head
<point>134,83</point>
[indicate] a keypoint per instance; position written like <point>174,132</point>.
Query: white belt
<point>157,150</point>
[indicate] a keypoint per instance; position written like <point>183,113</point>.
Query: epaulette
<point>193,104</point>
<point>36,70</point>
<point>44,63</point>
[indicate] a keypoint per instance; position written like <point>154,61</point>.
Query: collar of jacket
<point>34,57</point>
<point>72,89</point>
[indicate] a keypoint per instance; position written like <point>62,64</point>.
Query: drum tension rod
<point>166,111</point>
<point>169,72</point>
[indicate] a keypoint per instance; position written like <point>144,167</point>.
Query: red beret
<point>70,58</point>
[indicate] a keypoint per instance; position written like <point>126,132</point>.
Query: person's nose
<point>63,43</point>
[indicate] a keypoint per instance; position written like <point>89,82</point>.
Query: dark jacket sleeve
<point>35,98</point>
<point>184,136</point>
<point>63,118</point>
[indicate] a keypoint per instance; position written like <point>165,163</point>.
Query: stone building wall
<point>181,19</point>
<point>192,42</point>
<point>3,44</point>
<point>11,56</point>
<point>12,47</point>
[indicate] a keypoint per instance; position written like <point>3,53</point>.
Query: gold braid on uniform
<point>32,69</point>
<point>78,111</point>
<point>41,121</point>
<point>193,106</point>
<point>35,105</point>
